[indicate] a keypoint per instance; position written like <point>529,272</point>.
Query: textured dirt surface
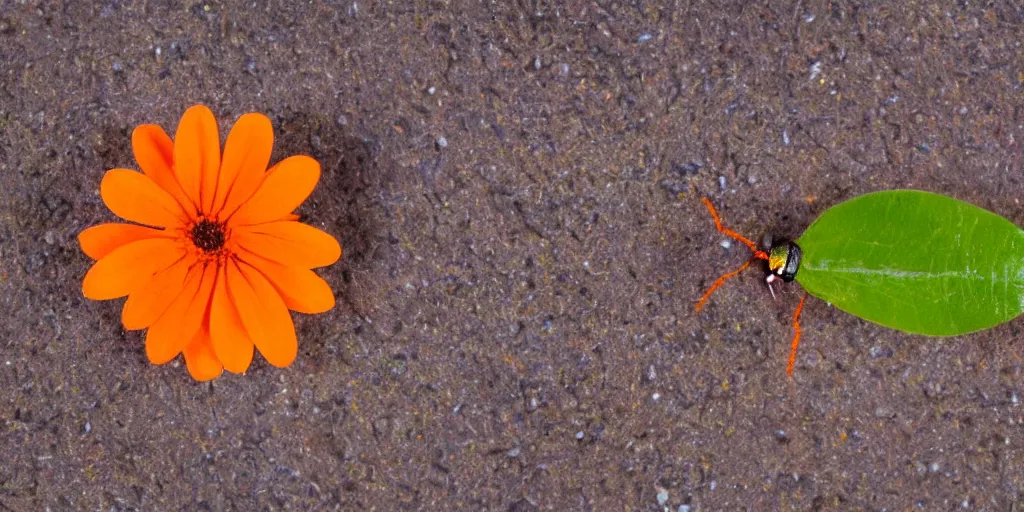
<point>516,187</point>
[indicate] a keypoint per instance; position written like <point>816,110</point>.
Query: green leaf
<point>916,261</point>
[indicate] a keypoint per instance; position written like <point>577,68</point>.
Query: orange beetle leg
<point>796,336</point>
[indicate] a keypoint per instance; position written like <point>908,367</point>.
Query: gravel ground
<point>516,187</point>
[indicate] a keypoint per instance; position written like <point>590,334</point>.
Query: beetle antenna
<point>718,282</point>
<point>796,336</point>
<point>758,254</point>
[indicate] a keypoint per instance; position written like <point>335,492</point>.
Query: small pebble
<point>50,237</point>
<point>725,244</point>
<point>877,352</point>
<point>656,397</point>
<point>536,63</point>
<point>441,142</point>
<point>644,38</point>
<point>785,137</point>
<point>514,452</point>
<point>683,508</point>
<point>721,182</point>
<point>87,427</point>
<point>815,70</point>
<point>662,496</point>
<point>117,67</point>
<point>564,69</point>
<point>431,91</point>
<point>579,435</point>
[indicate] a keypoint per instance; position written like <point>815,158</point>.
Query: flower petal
<point>134,196</point>
<point>179,324</point>
<point>98,241</point>
<point>246,155</point>
<point>146,304</point>
<point>263,314</point>
<point>202,363</point>
<point>292,244</point>
<point>197,155</point>
<point>127,267</point>
<point>300,288</point>
<point>286,186</point>
<point>154,152</point>
<point>231,343</point>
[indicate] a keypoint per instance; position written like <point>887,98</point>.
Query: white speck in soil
<point>656,397</point>
<point>536,63</point>
<point>683,508</point>
<point>726,244</point>
<point>785,137</point>
<point>441,142</point>
<point>662,496</point>
<point>721,182</point>
<point>87,427</point>
<point>644,38</point>
<point>431,90</point>
<point>579,435</point>
<point>514,452</point>
<point>815,70</point>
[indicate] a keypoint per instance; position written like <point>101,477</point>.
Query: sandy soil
<point>516,187</point>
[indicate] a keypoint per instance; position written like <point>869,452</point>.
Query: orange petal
<point>129,266</point>
<point>98,241</point>
<point>300,288</point>
<point>179,324</point>
<point>134,196</point>
<point>146,304</point>
<point>202,363</point>
<point>246,155</point>
<point>154,152</point>
<point>263,314</point>
<point>231,343</point>
<point>292,244</point>
<point>197,155</point>
<point>286,186</point>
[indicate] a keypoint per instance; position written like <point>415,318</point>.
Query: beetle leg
<point>796,336</point>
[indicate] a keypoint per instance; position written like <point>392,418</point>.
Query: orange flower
<point>216,258</point>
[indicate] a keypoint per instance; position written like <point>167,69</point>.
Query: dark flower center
<point>208,235</point>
